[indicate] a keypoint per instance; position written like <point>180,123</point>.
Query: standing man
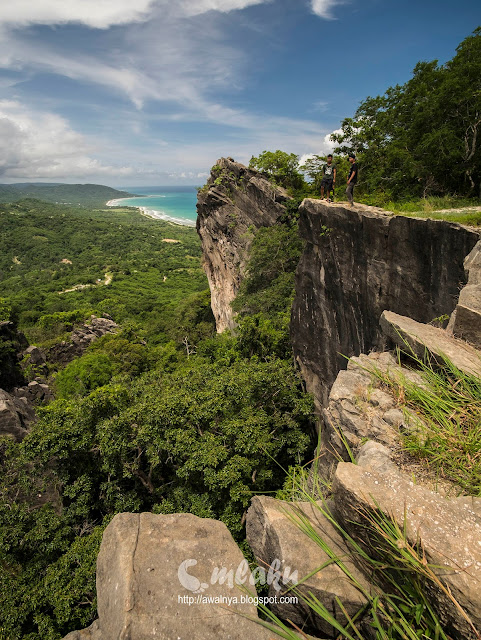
<point>328,178</point>
<point>351,179</point>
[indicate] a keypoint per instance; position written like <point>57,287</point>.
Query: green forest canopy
<point>139,424</point>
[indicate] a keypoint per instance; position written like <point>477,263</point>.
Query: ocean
<point>176,204</point>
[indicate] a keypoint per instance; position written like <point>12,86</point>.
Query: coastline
<point>153,213</point>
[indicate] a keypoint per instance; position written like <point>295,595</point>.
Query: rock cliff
<point>355,265</point>
<point>367,281</point>
<point>235,202</point>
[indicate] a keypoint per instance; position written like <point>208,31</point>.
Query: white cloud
<point>195,7</point>
<point>323,8</point>
<point>42,145</point>
<point>168,61</point>
<point>102,14</point>
<point>329,144</point>
<point>99,14</point>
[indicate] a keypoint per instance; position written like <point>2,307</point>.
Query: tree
<point>282,167</point>
<point>421,138</point>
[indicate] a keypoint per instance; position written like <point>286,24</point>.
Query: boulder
<point>35,356</point>
<point>157,577</point>
<point>91,633</point>
<point>15,416</point>
<point>448,530</point>
<point>424,339</point>
<point>80,338</point>
<point>275,538</point>
<point>373,456</point>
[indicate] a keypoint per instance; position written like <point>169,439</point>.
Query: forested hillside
<point>164,415</point>
<point>93,195</point>
<point>109,261</point>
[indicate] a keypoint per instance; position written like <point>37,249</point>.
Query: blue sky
<point>137,92</point>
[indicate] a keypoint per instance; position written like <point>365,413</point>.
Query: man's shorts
<point>327,184</point>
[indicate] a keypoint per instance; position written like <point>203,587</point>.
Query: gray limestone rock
<point>274,536</point>
<point>423,338</point>
<point>449,531</point>
<point>237,201</point>
<point>15,416</point>
<point>80,338</point>
<point>355,265</point>
<point>156,578</point>
<point>91,633</point>
<point>465,321</point>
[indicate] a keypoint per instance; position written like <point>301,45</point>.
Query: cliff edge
<point>358,263</point>
<point>234,203</point>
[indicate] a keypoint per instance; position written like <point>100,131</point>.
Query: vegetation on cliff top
<point>421,138</point>
<point>417,145</point>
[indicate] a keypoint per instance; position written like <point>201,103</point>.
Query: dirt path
<point>460,210</point>
<point>78,287</point>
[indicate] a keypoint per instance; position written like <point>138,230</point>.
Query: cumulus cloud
<point>42,145</point>
<point>323,8</point>
<point>328,141</point>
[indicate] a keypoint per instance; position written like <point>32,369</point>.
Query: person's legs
<point>328,190</point>
<point>350,193</point>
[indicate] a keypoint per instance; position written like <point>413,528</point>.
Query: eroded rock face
<point>358,409</point>
<point>355,265</point>
<point>16,414</point>
<point>273,535</point>
<point>449,530</point>
<point>80,339</point>
<point>236,203</point>
<point>142,588</point>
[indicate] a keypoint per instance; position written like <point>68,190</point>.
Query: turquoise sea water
<point>176,204</point>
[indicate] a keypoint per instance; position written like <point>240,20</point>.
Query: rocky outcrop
<point>274,535</point>
<point>425,341</point>
<point>355,265</point>
<point>235,203</point>
<point>359,409</point>
<point>34,359</point>
<point>465,321</point>
<point>158,577</point>
<point>16,414</point>
<point>35,392</point>
<point>448,532</point>
<point>81,337</point>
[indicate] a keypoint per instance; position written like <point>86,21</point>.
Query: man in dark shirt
<point>328,178</point>
<point>351,179</point>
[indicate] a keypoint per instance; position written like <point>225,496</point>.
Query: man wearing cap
<point>351,179</point>
<point>328,178</point>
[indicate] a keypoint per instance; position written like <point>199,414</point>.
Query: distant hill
<point>94,195</point>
